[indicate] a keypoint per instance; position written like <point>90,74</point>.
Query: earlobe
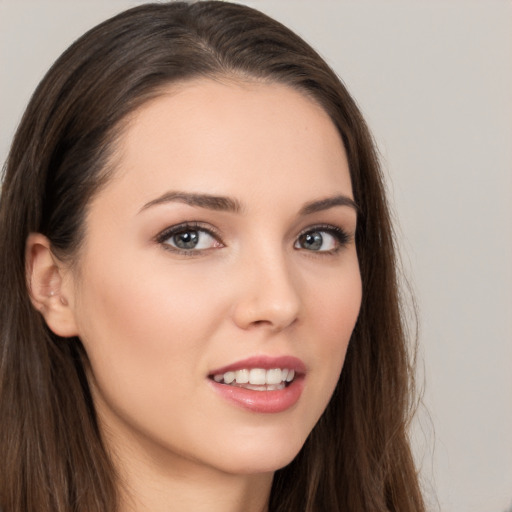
<point>45,280</point>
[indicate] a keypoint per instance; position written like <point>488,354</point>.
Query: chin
<point>257,458</point>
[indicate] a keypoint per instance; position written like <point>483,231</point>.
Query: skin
<point>156,322</point>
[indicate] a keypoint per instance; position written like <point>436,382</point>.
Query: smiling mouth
<point>257,379</point>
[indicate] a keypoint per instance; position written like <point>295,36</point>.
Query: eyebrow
<point>219,203</point>
<point>328,202</point>
<point>229,204</point>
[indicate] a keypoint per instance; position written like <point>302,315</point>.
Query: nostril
<point>271,325</point>
<point>260,322</point>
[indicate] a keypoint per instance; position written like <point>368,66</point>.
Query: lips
<point>261,384</point>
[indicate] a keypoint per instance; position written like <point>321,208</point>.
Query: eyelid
<point>187,226</point>
<point>342,236</point>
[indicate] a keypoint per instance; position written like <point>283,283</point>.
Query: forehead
<point>233,138</point>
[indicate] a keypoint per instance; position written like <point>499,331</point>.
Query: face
<point>221,251</point>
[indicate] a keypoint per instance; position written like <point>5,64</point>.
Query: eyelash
<point>341,237</point>
<point>183,228</point>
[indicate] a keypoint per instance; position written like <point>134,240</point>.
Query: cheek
<point>137,325</point>
<point>336,301</point>
<point>333,312</point>
<point>146,335</point>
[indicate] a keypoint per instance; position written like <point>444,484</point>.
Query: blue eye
<point>188,238</point>
<point>192,239</point>
<point>322,239</point>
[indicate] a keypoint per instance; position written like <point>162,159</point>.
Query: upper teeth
<point>256,376</point>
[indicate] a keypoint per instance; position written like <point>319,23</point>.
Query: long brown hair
<point>52,458</point>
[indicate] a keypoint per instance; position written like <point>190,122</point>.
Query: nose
<point>268,294</point>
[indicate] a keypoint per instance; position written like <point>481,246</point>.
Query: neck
<point>151,482</point>
<point>199,490</point>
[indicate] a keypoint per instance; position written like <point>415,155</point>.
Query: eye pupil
<point>186,239</point>
<point>311,241</point>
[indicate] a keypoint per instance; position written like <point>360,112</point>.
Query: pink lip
<point>263,401</point>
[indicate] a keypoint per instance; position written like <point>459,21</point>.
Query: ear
<point>49,287</point>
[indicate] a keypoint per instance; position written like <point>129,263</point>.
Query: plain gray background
<point>434,79</point>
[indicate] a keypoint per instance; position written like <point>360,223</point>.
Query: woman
<point>194,229</point>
